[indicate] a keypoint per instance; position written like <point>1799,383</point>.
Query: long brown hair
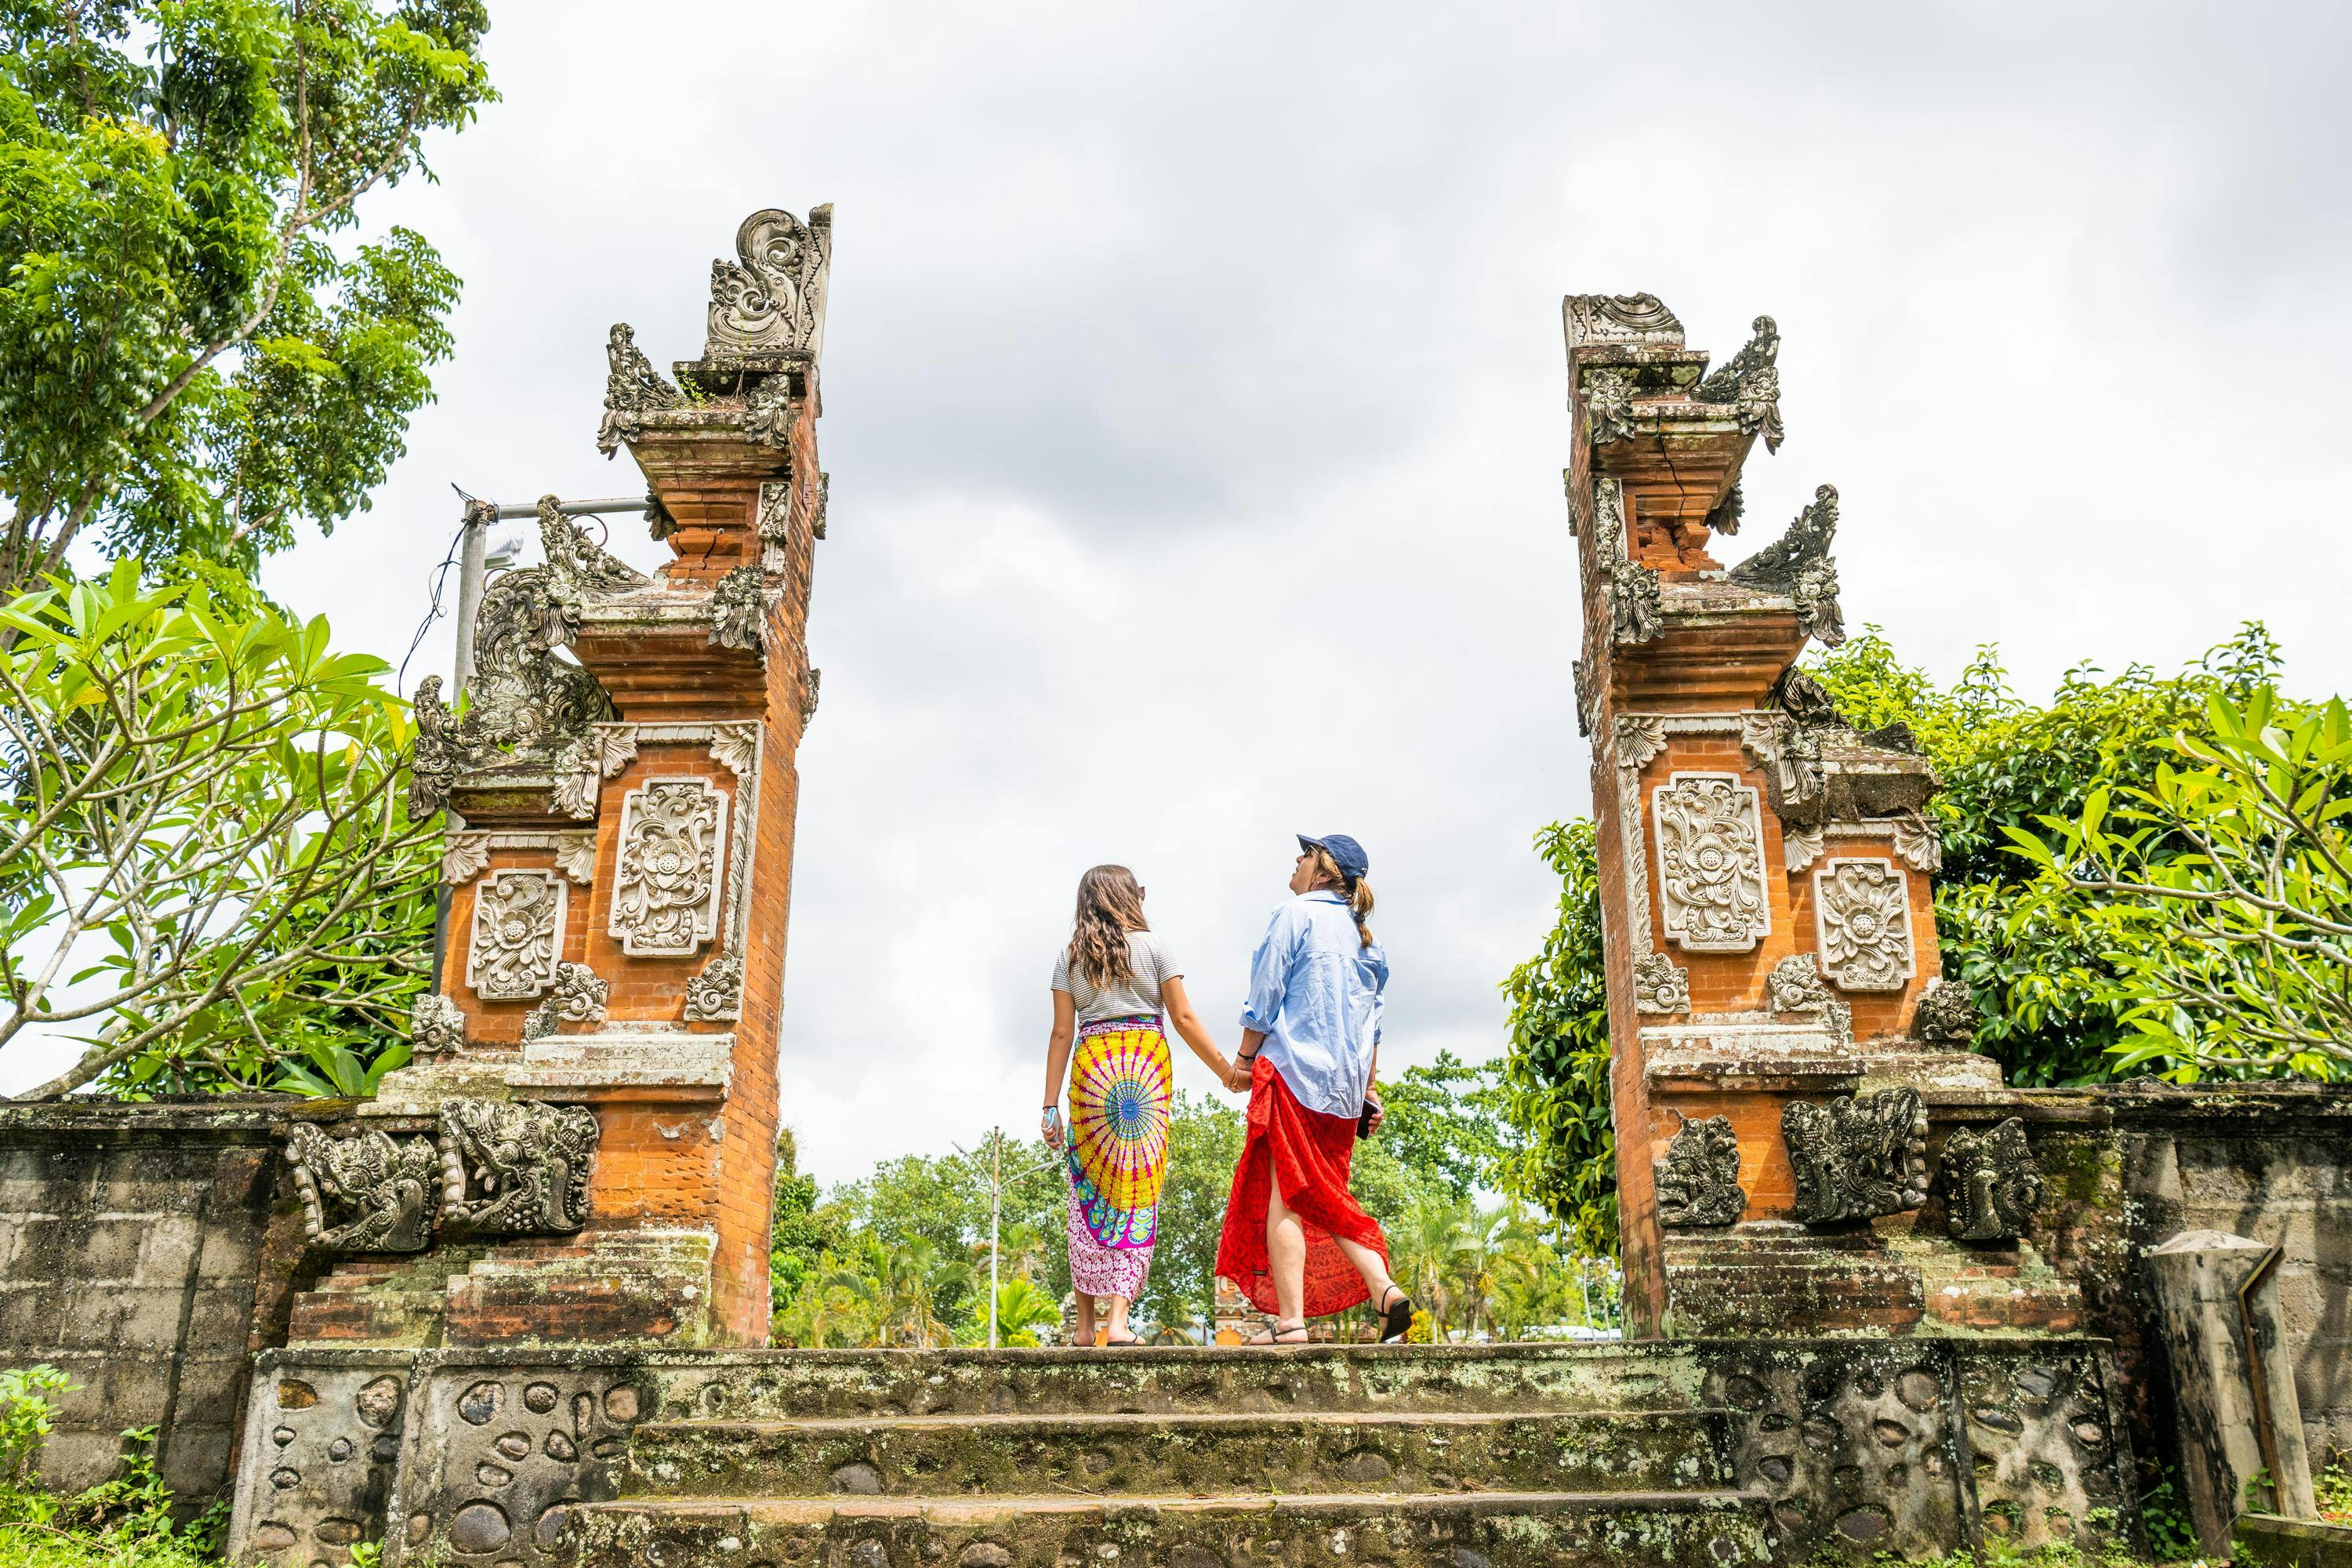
<point>1358,893</point>
<point>1110,905</point>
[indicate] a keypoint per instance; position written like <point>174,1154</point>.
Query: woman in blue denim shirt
<point>1296,1240</point>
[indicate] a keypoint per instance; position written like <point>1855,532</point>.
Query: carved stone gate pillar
<point>1780,1032</point>
<point>594,1087</point>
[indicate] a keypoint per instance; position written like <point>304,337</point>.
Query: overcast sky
<point>1193,395</point>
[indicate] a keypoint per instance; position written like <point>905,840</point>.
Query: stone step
<point>1229,1453</point>
<point>776,1385</point>
<point>1698,1529</point>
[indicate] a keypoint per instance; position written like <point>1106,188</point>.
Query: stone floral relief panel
<point>669,869</point>
<point>1862,914</point>
<point>1710,848</point>
<point>517,934</point>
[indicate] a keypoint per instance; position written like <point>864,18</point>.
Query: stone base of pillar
<point>1769,1278</point>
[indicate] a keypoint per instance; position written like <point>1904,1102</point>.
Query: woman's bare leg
<point>1286,1257</point>
<point>1370,1266</point>
<point>1083,1333</point>
<point>1118,1329</point>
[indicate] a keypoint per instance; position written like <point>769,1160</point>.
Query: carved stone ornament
<point>577,782</point>
<point>810,686</point>
<point>823,503</point>
<point>518,930</point>
<point>738,611</point>
<point>1750,381</point>
<point>771,298</point>
<point>577,860</point>
<point>1863,910</point>
<point>1918,841</point>
<point>632,388</point>
<point>516,1167</point>
<point>1636,605</point>
<point>1795,986</point>
<point>716,994</point>
<point>1698,1176</point>
<point>617,748</point>
<point>1800,847</point>
<point>1640,738</point>
<point>735,747</point>
<point>1991,1186</point>
<point>1621,319</point>
<point>1858,1157</point>
<point>1723,516</point>
<point>1583,676</point>
<point>463,857</point>
<point>768,413</point>
<point>1660,985</point>
<point>576,996</point>
<point>436,1025</point>
<point>673,834</point>
<point>525,702</point>
<point>1711,862</point>
<point>776,526</point>
<point>1760,736</point>
<point>368,1193</point>
<point>1608,408</point>
<point>1946,1013</point>
<point>1799,564</point>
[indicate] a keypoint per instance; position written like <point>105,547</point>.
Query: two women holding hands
<point>1296,1241</point>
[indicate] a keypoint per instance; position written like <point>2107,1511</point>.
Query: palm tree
<point>1425,1244</point>
<point>1020,1309</point>
<point>1478,1252</point>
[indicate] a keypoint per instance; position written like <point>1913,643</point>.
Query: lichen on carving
<point>1697,1178</point>
<point>1621,319</point>
<point>1799,564</point>
<point>1946,1013</point>
<point>436,1025</point>
<point>382,1184</point>
<point>1710,862</point>
<point>1608,408</point>
<point>665,882</point>
<point>1660,985</point>
<point>716,994</point>
<point>1795,985</point>
<point>516,1167</point>
<point>632,388</point>
<point>1991,1185</point>
<point>739,612</point>
<point>577,995</point>
<point>1857,1157</point>
<point>1750,383</point>
<point>1863,908</point>
<point>518,927</point>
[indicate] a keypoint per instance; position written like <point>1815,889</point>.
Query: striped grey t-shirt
<point>1140,997</point>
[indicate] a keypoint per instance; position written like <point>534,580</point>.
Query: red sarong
<point>1309,1153</point>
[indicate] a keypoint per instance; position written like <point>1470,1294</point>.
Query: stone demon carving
<point>1858,1157</point>
<point>383,1183</point>
<point>525,699</point>
<point>436,1025</point>
<point>1990,1185</point>
<point>1750,381</point>
<point>1799,564</point>
<point>1946,1013</point>
<point>516,1167</point>
<point>1698,1177</point>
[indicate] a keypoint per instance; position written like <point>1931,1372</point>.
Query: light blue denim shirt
<point>1315,993</point>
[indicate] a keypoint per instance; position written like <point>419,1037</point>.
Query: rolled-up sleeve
<point>1270,973</point>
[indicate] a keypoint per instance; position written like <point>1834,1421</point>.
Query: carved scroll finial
<point>771,298</point>
<point>1619,318</point>
<point>632,387</point>
<point>1799,564</point>
<point>1750,383</point>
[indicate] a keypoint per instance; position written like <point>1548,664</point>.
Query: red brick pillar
<point>1765,872</point>
<point>605,1029</point>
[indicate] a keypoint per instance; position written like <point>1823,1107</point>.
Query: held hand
<point>1372,1104</point>
<point>1237,1077</point>
<point>1049,1128</point>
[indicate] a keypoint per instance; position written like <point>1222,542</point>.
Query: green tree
<point>188,363</point>
<point>1448,1123</point>
<point>2224,894</point>
<point>1021,1310</point>
<point>1555,1076</point>
<point>205,856</point>
<point>1204,1144</point>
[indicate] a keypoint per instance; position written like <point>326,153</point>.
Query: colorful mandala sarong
<point>1120,1085</point>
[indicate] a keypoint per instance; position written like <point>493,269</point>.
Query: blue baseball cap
<point>1344,852</point>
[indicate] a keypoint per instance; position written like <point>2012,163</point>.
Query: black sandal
<point>1276,1334</point>
<point>1396,1316</point>
<point>1109,1344</point>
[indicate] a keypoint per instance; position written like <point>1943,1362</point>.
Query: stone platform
<point>1699,1452</point>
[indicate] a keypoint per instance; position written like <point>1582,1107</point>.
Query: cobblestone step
<point>1698,1529</point>
<point>1175,1380</point>
<point>1119,1455</point>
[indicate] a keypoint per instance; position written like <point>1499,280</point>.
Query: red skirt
<point>1308,1153</point>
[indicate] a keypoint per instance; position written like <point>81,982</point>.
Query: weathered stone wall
<point>2128,1167</point>
<point>143,1253</point>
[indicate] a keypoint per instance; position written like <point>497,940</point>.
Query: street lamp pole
<point>996,1209</point>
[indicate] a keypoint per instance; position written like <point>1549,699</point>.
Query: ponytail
<point>1358,894</point>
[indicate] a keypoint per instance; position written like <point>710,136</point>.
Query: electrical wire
<point>433,612</point>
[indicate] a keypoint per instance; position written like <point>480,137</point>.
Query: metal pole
<point>471,552</point>
<point>995,1212</point>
